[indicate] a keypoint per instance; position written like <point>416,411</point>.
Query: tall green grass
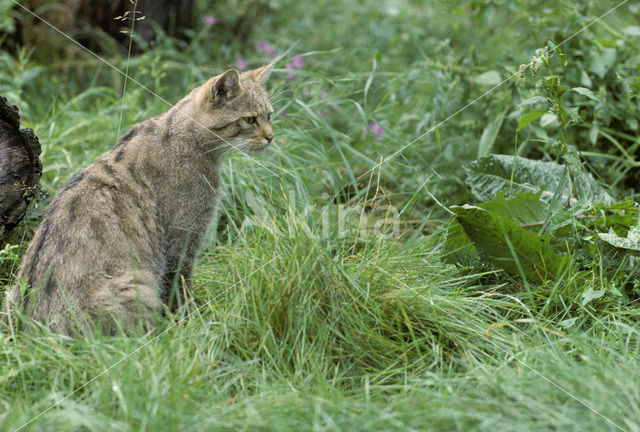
<point>305,319</point>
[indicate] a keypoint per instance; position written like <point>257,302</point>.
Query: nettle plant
<point>540,221</point>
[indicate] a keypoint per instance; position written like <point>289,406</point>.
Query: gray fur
<point>119,238</point>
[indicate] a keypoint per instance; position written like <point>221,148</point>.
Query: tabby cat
<point>120,238</point>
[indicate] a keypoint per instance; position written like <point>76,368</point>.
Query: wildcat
<point>120,238</point>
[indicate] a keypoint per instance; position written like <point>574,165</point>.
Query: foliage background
<point>313,325</point>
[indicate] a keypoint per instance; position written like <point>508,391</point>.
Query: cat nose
<point>269,137</point>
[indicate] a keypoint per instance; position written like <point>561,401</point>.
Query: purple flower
<point>241,63</point>
<point>297,62</point>
<point>210,20</point>
<point>376,128</point>
<point>266,48</point>
<point>290,67</point>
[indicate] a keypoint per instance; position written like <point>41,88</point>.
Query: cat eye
<point>269,117</point>
<point>249,120</point>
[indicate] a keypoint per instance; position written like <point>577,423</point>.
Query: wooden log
<point>20,168</point>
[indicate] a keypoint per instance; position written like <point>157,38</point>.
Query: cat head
<point>235,107</point>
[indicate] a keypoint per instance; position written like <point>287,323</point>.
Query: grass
<point>308,319</point>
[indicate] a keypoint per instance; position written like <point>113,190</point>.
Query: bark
<point>20,168</point>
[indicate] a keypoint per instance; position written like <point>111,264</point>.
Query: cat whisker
<point>226,146</point>
<point>281,91</point>
<point>223,150</point>
<point>276,102</point>
<point>279,97</point>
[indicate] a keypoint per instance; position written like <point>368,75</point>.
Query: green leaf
<point>549,120</point>
<point>532,100</point>
<point>490,78</point>
<point>572,158</point>
<point>551,88</point>
<point>630,242</point>
<point>568,323</point>
<point>526,209</point>
<point>529,117</point>
<point>495,173</point>
<point>503,243</point>
<point>586,92</point>
<point>620,216</point>
<point>602,61</point>
<point>562,56</point>
<point>489,135</point>
<point>574,113</point>
<point>591,294</point>
<point>458,248</point>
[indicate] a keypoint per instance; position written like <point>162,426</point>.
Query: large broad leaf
<point>495,173</point>
<point>459,249</point>
<point>631,242</point>
<point>527,210</point>
<point>501,241</point>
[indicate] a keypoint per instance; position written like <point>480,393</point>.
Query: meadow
<point>375,269</point>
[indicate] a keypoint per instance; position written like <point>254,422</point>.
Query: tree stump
<point>20,168</point>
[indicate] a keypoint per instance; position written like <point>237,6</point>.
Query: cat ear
<point>227,86</point>
<point>262,74</point>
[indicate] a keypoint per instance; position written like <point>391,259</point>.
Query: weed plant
<point>309,319</point>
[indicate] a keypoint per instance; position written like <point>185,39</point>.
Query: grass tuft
<point>324,302</point>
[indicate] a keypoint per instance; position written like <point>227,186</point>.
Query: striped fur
<point>119,237</point>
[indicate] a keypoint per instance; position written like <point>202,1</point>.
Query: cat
<point>118,241</point>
